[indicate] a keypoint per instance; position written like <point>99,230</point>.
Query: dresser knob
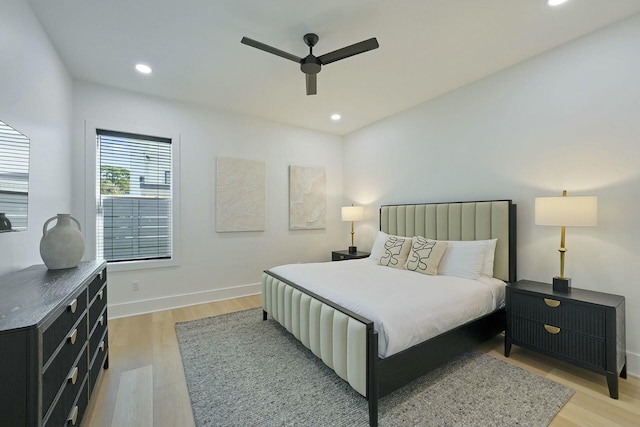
<point>101,294</point>
<point>552,329</point>
<point>101,320</point>
<point>101,345</point>
<point>73,417</point>
<point>74,376</point>
<point>73,306</point>
<point>73,336</point>
<point>552,302</point>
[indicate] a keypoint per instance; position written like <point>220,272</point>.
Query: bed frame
<point>348,342</point>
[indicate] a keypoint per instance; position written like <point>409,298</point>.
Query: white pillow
<point>464,258</point>
<point>425,255</point>
<point>395,251</point>
<point>378,246</point>
<point>489,257</point>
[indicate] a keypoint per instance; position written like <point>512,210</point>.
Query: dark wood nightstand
<point>582,327</point>
<point>343,255</point>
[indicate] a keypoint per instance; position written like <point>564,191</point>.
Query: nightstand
<point>344,255</point>
<point>582,327</point>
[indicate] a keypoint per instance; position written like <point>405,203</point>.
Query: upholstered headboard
<point>495,219</point>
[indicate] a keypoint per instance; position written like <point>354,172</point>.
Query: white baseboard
<point>176,301</point>
<point>633,364</point>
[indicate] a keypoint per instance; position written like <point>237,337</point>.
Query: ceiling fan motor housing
<point>310,65</point>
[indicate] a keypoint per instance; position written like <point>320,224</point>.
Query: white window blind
<point>14,177</point>
<point>134,196</point>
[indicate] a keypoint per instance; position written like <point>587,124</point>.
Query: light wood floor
<point>145,383</point>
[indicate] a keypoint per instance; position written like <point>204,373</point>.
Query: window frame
<point>91,196</point>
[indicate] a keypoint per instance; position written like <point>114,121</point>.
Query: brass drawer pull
<point>552,302</point>
<point>73,306</point>
<point>552,329</point>
<point>73,336</point>
<point>101,294</point>
<point>73,417</point>
<point>102,345</point>
<point>74,376</point>
<point>101,320</point>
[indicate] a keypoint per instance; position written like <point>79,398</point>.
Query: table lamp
<point>564,212</point>
<point>352,213</point>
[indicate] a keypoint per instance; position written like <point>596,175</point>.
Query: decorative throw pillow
<point>425,255</point>
<point>395,251</point>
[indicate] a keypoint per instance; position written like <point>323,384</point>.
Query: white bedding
<point>406,307</point>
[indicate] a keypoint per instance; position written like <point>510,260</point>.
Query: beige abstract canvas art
<point>240,195</point>
<point>307,197</point>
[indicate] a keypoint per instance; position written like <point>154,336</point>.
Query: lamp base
<point>562,284</point>
<point>353,249</point>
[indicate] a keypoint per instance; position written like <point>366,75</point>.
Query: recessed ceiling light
<point>555,2</point>
<point>144,69</point>
<point>336,117</point>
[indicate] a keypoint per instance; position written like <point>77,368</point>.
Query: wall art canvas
<point>307,197</point>
<point>240,195</point>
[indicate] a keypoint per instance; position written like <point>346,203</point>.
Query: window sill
<point>142,265</point>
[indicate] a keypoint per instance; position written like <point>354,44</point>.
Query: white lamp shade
<point>352,213</point>
<point>578,211</point>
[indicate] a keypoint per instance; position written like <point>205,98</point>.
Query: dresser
<point>53,341</point>
<point>582,327</point>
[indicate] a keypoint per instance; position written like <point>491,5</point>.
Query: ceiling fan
<point>310,64</point>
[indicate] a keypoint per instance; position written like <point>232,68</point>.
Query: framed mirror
<point>14,179</point>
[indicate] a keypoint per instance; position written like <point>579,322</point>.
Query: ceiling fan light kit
<point>311,65</point>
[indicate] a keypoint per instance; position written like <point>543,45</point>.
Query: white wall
<point>35,98</point>
<point>567,119</point>
<point>214,265</point>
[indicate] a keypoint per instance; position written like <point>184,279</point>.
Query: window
<point>134,197</point>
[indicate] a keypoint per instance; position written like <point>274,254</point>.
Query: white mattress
<point>406,307</point>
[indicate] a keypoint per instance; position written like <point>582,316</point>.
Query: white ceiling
<point>427,48</point>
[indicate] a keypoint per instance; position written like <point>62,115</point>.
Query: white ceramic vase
<point>63,245</point>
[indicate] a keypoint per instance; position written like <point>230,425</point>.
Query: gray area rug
<point>243,371</point>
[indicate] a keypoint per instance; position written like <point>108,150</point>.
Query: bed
<point>357,346</point>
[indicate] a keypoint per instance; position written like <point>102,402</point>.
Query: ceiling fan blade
<point>270,49</point>
<point>348,51</point>
<point>311,83</point>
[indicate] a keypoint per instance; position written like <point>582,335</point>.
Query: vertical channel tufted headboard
<point>494,219</point>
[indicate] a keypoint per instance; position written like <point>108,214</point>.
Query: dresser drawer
<point>74,383</point>
<point>565,315</point>
<point>562,342</point>
<point>74,417</point>
<point>96,284</point>
<point>55,373</point>
<point>97,334</point>
<point>97,362</point>
<point>60,328</point>
<point>97,307</point>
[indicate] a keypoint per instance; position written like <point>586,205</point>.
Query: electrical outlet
<point>135,285</point>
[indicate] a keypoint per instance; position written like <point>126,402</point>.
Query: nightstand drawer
<point>559,341</point>
<point>560,313</point>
